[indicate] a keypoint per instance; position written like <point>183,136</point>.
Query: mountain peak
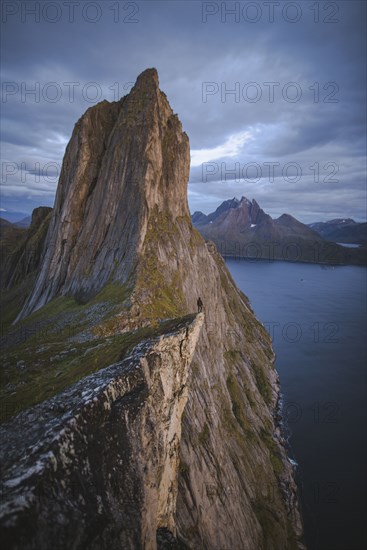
<point>148,75</point>
<point>147,80</point>
<point>126,162</point>
<point>245,200</point>
<point>286,218</point>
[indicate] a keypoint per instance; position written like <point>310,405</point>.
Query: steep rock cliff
<point>121,216</point>
<point>96,466</point>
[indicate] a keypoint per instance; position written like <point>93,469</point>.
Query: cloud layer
<point>272,95</point>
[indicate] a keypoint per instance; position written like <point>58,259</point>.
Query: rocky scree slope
<point>121,218</point>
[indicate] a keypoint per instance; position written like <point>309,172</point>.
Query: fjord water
<point>317,319</point>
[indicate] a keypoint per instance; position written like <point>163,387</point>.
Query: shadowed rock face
<point>121,214</point>
<point>22,248</point>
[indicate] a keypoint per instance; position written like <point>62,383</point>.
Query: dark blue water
<point>317,319</point>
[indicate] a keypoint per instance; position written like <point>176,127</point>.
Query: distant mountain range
<point>240,228</point>
<point>25,222</point>
<point>342,231</point>
<point>5,223</point>
<point>17,218</point>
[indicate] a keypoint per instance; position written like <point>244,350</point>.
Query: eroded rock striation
<point>121,218</point>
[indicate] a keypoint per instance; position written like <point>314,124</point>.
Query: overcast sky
<point>271,95</point>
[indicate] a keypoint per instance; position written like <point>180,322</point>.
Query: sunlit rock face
<point>188,448</point>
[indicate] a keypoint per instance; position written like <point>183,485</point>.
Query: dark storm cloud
<point>199,64</point>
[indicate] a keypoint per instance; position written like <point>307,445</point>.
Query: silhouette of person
<point>200,305</point>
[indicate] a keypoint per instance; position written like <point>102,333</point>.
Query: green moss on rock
<point>237,401</point>
<point>158,291</point>
<point>262,382</point>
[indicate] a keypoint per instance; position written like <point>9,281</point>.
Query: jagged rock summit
<point>211,474</point>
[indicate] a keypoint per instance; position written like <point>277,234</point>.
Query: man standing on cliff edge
<point>200,305</point>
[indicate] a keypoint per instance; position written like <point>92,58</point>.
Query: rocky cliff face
<point>121,218</point>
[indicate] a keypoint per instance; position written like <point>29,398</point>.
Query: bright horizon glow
<point>230,148</point>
